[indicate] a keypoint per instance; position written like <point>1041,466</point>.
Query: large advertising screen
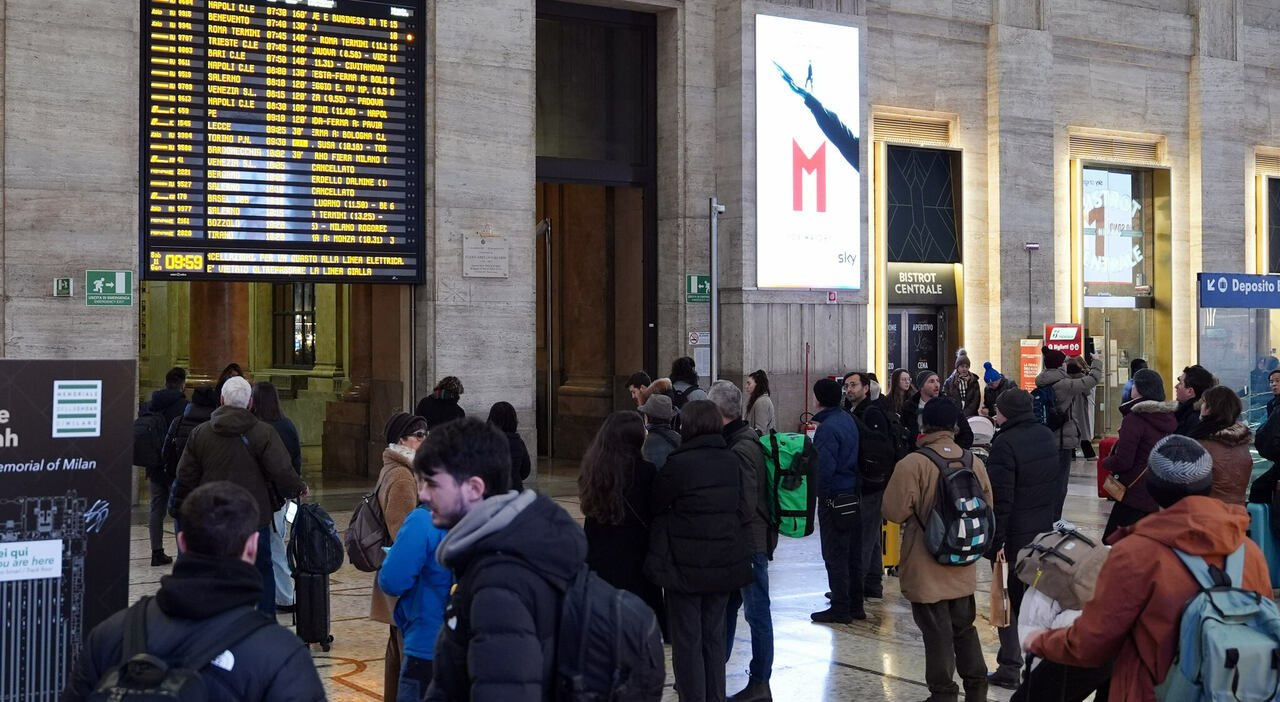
<point>282,140</point>
<point>808,175</point>
<point>1113,231</point>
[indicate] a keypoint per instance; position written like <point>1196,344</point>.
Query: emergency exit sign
<point>108,288</point>
<point>697,288</point>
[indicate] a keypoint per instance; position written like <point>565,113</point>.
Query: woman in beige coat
<point>398,496</point>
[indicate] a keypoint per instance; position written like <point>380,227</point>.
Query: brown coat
<point>398,496</point>
<point>908,498</point>
<point>1232,462</point>
<point>1137,605</point>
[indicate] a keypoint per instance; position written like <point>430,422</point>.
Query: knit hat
<point>923,377</point>
<point>403,424</point>
<point>940,412</point>
<point>1149,384</point>
<point>1014,403</point>
<point>657,407</point>
<point>992,375</point>
<point>962,357</point>
<point>1181,461</point>
<point>828,392</point>
<point>1053,358</point>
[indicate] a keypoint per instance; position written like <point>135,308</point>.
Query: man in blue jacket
<point>837,444</point>
<point>411,573</point>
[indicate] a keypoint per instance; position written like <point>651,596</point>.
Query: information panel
<point>281,139</point>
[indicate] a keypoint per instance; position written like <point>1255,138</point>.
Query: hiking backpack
<point>1044,405</point>
<point>142,677</point>
<point>961,521</point>
<point>148,439</point>
<point>793,482</point>
<point>878,450</point>
<point>1228,641</point>
<point>315,546</point>
<point>367,533</point>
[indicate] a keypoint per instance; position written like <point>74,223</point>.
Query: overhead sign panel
<point>282,140</point>
<point>1239,290</point>
<point>808,174</point>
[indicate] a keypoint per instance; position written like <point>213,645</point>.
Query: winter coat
<point>437,410</point>
<point>1025,481</point>
<point>292,443</point>
<point>1267,438</point>
<point>521,466</point>
<point>1188,416</point>
<point>697,543</point>
<point>1137,606</point>
<point>660,441</point>
<point>168,402</point>
<point>990,395</point>
<point>745,444</point>
<point>219,450</point>
<point>908,499</point>
<point>175,440</point>
<point>873,412</point>
<point>836,441</point>
<point>1232,462</point>
<point>965,392</point>
<point>1145,422</point>
<point>505,554</point>
<point>398,497</point>
<point>616,552</point>
<point>762,416</point>
<point>911,423</point>
<point>1072,396</point>
<point>410,572</point>
<point>205,594</point>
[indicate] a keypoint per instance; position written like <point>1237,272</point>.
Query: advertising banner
<point>1067,338</point>
<point>1112,228</point>
<point>1028,363</point>
<point>66,450</point>
<point>808,176</point>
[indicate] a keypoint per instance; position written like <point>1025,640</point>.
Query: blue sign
<point>1239,290</point>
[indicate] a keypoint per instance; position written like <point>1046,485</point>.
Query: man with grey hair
<point>234,446</point>
<point>745,444</point>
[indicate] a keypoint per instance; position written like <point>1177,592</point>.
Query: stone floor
<point>881,657</point>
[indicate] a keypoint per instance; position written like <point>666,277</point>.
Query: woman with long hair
<point>760,412</point>
<point>900,388</point>
<point>265,405</point>
<point>614,484</point>
<point>1227,440</point>
<point>503,416</point>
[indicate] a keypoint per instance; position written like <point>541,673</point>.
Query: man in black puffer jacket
<point>505,550</point>
<point>1023,468</point>
<point>213,585</point>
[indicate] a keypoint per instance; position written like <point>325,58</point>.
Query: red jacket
<point>1137,605</point>
<point>1145,422</point>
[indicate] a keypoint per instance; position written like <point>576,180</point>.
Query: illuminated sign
<point>1067,338</point>
<point>282,140</point>
<point>808,177</point>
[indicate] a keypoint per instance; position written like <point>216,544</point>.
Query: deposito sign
<point>1239,290</point>
<point>1067,338</point>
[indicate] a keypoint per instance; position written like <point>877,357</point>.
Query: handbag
<point>847,508</point>
<point>1117,489</point>
<point>1001,614</point>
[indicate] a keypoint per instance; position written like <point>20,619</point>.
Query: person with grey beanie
<point>929,388</point>
<point>1071,398</point>
<point>1147,419</point>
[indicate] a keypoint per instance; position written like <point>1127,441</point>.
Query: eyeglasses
<point>419,434</point>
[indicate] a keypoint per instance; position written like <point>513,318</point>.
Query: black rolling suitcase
<point>312,615</point>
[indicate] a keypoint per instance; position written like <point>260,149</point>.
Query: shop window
<point>1119,232</point>
<point>293,325</point>
<point>922,213</point>
<point>1273,225</point>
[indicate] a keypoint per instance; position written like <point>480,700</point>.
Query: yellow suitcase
<point>890,544</point>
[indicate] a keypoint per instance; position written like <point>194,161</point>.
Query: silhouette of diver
<point>828,121</point>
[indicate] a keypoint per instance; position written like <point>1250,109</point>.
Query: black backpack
<point>679,398</point>
<point>879,450</point>
<point>148,439</point>
<point>315,547</point>
<point>142,677</point>
<point>367,533</point>
<point>961,522</point>
<point>1044,406</point>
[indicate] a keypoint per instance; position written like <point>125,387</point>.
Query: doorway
<point>1121,335</point>
<point>920,338</point>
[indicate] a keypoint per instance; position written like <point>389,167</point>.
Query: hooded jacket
<point>169,402</point>
<point>498,643</point>
<point>1137,605</point>
<point>908,499</point>
<point>205,594</point>
<point>745,444</point>
<point>411,573</point>
<point>659,441</point>
<point>398,497</point>
<point>697,543</point>
<point>1072,399</point>
<point>1024,471</point>
<point>438,408</point>
<point>1232,461</point>
<point>234,445</point>
<point>1145,422</point>
<point>911,423</point>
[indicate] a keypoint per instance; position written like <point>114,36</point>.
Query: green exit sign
<point>108,288</point>
<point>697,288</point>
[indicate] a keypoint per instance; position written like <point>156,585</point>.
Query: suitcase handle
<point>1049,551</point>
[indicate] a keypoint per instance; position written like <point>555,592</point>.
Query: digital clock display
<point>282,139</point>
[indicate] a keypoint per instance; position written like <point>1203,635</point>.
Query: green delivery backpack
<point>793,482</point>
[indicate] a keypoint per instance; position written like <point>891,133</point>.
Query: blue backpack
<point>1044,405</point>
<point>1228,641</point>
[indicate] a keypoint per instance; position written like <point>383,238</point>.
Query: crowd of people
<point>678,507</point>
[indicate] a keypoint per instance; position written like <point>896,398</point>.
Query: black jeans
<point>1054,682</point>
<point>1122,515</point>
<point>842,554</point>
<point>872,551</point>
<point>951,644</point>
<point>696,625</point>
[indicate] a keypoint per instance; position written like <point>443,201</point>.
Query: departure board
<point>281,140</point>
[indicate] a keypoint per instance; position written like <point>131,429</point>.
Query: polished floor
<point>880,658</point>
